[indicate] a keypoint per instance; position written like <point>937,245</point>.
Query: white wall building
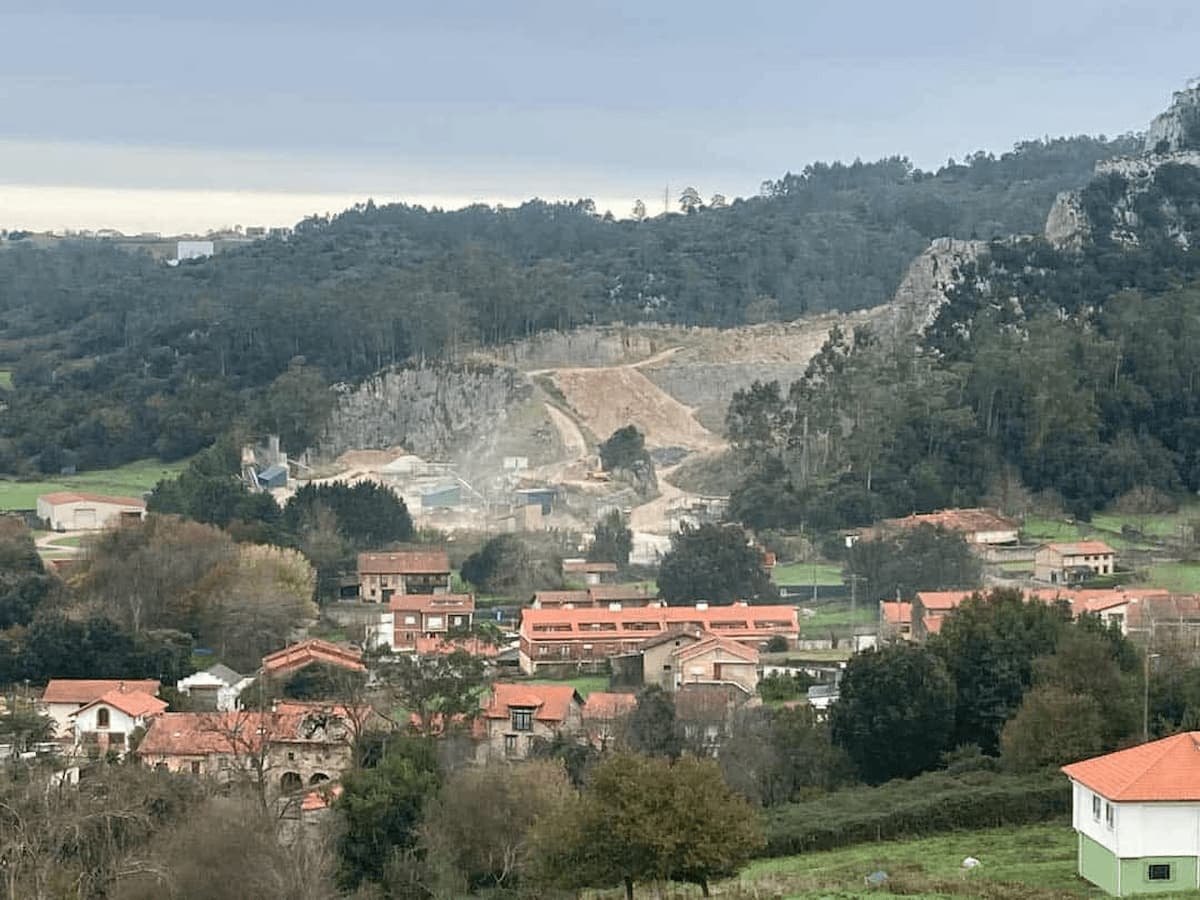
<point>76,511</point>
<point>64,697</point>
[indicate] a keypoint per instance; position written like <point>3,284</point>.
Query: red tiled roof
<point>58,497</point>
<point>203,734</point>
<point>552,702</point>
<point>968,520</point>
<point>1164,770</point>
<point>615,593</point>
<point>713,642</point>
<point>437,646</point>
<point>560,597</point>
<point>583,566</point>
<point>310,651</point>
<point>1177,607</point>
<point>1099,600</point>
<point>85,690</point>
<point>1079,548</point>
<point>738,620</point>
<point>432,603</point>
<point>896,612</point>
<point>604,705</point>
<point>404,562</point>
<point>132,703</point>
<point>320,797</point>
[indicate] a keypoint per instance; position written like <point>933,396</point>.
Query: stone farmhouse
<point>382,576</point>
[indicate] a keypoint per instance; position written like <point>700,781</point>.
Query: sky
<point>178,117</point>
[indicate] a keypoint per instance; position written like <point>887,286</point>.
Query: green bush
<point>932,803</point>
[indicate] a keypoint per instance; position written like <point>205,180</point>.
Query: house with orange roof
<point>391,573</point>
<point>517,715</point>
<point>297,656</point>
<point>1137,816</point>
<point>411,619</point>
<point>80,511</point>
<point>108,722</point>
<point>1074,562</point>
<point>582,638</point>
<point>978,526</point>
<point>603,713</point>
<point>288,748</point>
<point>63,697</point>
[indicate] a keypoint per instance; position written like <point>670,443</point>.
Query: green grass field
<point>5,379</point>
<point>1036,861</point>
<point>1176,576</point>
<point>585,684</point>
<point>127,481</point>
<point>805,573</point>
<point>838,615</point>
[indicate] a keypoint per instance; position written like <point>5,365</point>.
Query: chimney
<point>700,604</point>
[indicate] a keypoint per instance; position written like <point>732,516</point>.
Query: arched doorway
<point>318,778</point>
<point>290,781</point>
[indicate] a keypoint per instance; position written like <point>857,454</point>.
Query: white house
<point>1137,815</point>
<point>64,697</point>
<point>216,689</point>
<point>109,721</point>
<point>76,511</point>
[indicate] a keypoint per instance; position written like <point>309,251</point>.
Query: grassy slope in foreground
<point>1033,861</point>
<point>127,481</point>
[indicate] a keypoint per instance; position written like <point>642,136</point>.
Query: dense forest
<point>115,356</point>
<point>1058,376</point>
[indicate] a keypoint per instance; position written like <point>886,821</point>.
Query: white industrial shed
<point>71,511</point>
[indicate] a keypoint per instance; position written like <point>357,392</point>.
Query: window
<point>510,744</point>
<point>1095,807</point>
<point>522,719</point>
<point>1108,815</point>
<point>195,767</point>
<point>102,717</point>
<point>1158,872</point>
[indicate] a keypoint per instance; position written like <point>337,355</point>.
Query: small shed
<point>275,476</point>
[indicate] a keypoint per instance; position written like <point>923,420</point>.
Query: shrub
<point>929,804</point>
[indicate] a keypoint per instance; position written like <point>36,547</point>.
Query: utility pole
<point>667,197</point>
<point>1146,695</point>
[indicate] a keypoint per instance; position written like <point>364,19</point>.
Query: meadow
<point>130,480</point>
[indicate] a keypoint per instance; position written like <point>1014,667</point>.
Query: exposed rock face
<point>432,411</point>
<point>927,281</point>
<point>1067,224</point>
<point>1176,128</point>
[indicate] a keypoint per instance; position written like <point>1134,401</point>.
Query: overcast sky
<point>170,116</point>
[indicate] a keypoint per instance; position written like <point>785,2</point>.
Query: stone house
<point>382,576</point>
<point>603,716</point>
<point>515,716</point>
<point>1072,563</point>
<point>293,746</point>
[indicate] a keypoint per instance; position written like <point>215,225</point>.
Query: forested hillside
<point>1063,374</point>
<point>115,356</point>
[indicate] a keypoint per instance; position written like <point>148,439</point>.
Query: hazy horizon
<point>183,120</point>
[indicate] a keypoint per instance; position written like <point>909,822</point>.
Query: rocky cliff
<point>434,411</point>
<point>925,286</point>
<point>1178,128</point>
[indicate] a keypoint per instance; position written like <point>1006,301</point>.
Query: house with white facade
<point>1137,816</point>
<point>79,511</point>
<point>64,697</point>
<point>216,689</point>
<point>108,722</point>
